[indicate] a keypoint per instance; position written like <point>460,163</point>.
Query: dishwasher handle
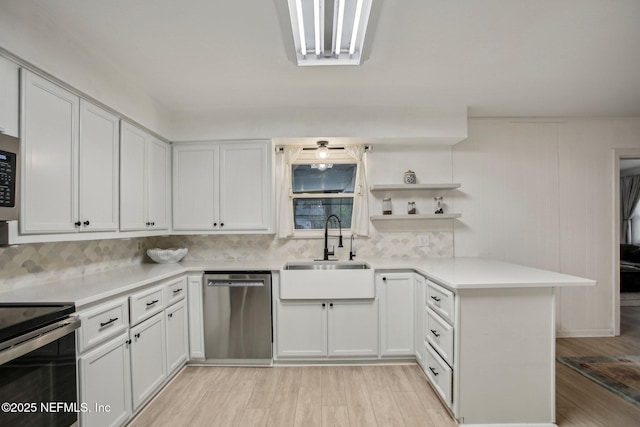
<point>236,283</point>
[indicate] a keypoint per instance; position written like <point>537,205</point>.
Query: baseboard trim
<point>585,333</point>
<point>512,425</point>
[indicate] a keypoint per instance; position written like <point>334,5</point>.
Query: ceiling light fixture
<point>322,152</point>
<point>329,32</point>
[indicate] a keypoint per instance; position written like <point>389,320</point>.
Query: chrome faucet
<point>326,238</point>
<point>352,253</point>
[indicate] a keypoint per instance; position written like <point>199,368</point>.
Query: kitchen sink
<point>327,280</point>
<point>326,265</point>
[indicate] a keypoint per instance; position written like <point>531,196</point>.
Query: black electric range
<point>18,318</point>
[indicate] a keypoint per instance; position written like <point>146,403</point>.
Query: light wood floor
<point>388,395</point>
<point>367,396</point>
<point>580,401</point>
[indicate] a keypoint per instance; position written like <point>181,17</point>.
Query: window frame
<point>309,159</point>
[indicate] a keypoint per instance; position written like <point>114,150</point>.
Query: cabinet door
<point>302,328</point>
<point>353,328</point>
<point>50,152</point>
<point>148,358</point>
<point>159,187</point>
<point>105,379</point>
<point>419,324</point>
<point>9,97</point>
<point>99,146</point>
<point>133,192</point>
<point>177,344</point>
<point>245,186</point>
<point>395,291</point>
<point>195,187</point>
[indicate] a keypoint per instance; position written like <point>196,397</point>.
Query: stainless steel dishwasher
<point>237,317</point>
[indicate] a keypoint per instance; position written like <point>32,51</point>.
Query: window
<point>321,191</point>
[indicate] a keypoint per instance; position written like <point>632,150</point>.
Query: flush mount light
<point>329,32</point>
<point>321,166</point>
<point>322,152</point>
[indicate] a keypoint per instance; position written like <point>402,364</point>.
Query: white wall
<point>28,34</point>
<point>539,193</point>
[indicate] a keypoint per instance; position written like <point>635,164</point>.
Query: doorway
<point>626,232</point>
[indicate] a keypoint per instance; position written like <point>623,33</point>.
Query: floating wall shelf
<point>414,217</point>
<point>405,187</point>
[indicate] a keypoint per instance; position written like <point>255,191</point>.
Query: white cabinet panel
<point>196,332</point>
<point>98,168</point>
<point>245,186</point>
<point>104,376</point>
<point>420,319</point>
<point>9,97</point>
<point>148,358</point>
<point>195,186</point>
<point>177,341</point>
<point>50,156</point>
<point>133,191</point>
<point>395,291</point>
<point>353,328</point>
<point>144,181</point>
<point>102,323</point>
<point>222,187</point>
<point>302,329</point>
<point>159,187</point>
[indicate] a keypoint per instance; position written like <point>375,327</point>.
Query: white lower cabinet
<point>105,384</point>
<point>148,358</point>
<point>196,322</point>
<point>177,336</point>
<point>396,294</point>
<point>317,329</point>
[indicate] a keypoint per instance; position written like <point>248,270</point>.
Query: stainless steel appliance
<point>38,365</point>
<point>9,177</point>
<point>237,317</point>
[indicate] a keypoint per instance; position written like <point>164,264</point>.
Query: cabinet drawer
<point>146,303</point>
<point>440,374</point>
<point>441,300</point>
<point>102,323</point>
<point>439,334</point>
<point>176,290</point>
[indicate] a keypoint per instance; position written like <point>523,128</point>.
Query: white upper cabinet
<point>50,157</point>
<point>245,186</point>
<point>70,174</point>
<point>222,187</point>
<point>144,181</point>
<point>9,97</point>
<point>98,169</point>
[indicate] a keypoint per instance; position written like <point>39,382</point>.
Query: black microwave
<point>9,177</point>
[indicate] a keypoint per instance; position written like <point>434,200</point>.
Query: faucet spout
<point>326,237</point>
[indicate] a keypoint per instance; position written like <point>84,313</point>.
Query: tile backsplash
<point>27,264</point>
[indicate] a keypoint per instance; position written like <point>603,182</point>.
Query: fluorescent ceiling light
<point>329,32</point>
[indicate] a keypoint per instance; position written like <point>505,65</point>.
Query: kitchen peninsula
<point>498,368</point>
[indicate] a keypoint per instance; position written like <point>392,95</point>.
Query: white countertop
<point>455,273</point>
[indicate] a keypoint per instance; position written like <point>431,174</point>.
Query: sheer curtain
<point>285,211</point>
<point>360,219</point>
<point>629,196</point>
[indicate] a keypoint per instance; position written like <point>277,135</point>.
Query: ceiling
<point>497,57</point>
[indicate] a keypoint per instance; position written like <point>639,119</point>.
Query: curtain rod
<point>280,148</point>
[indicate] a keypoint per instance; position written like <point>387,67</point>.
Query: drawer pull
<point>177,290</point>
<point>170,315</point>
<point>434,371</point>
<point>155,301</point>
<point>435,333</point>
<point>436,299</point>
<point>108,322</point>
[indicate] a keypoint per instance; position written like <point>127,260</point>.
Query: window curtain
<point>629,196</point>
<point>360,220</point>
<point>285,219</point>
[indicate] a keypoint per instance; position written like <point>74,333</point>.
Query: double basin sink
<point>327,280</point>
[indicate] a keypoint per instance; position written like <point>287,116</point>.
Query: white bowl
<point>167,256</point>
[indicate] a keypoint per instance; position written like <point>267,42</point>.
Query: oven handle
<point>33,340</point>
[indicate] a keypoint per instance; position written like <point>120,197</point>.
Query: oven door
<point>38,377</point>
